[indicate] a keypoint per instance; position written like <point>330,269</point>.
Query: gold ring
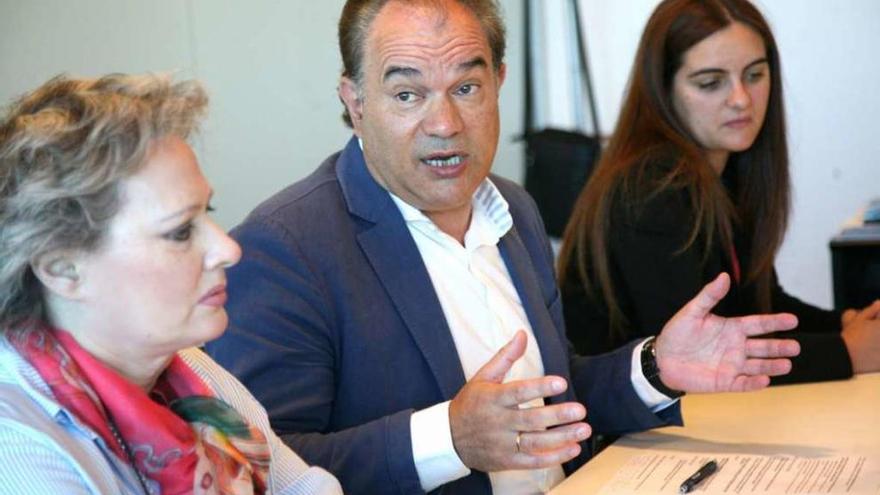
<point>518,440</point>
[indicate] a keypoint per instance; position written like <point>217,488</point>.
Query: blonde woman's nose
<point>222,251</point>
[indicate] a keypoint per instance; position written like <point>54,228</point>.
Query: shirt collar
<point>490,218</point>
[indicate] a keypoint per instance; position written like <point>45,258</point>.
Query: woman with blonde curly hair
<point>111,275</point>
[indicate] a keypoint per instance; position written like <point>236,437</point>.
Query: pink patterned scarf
<point>182,437</point>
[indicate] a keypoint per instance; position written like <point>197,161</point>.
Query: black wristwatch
<point>652,371</point>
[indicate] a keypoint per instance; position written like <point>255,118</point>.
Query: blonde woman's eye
<point>181,234</point>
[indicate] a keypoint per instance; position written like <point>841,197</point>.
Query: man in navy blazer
<point>340,316</point>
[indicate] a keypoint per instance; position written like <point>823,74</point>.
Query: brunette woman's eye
<point>709,84</point>
<point>755,76</point>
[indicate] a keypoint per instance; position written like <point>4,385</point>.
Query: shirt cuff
<point>434,455</point>
<point>651,397</point>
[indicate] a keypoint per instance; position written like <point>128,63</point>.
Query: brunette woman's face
<point>721,91</point>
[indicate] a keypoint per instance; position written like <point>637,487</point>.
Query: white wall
<point>830,70</point>
<point>271,67</point>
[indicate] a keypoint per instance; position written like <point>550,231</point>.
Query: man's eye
<point>405,96</point>
<point>181,234</point>
<point>467,89</point>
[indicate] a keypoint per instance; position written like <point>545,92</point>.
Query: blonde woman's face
<point>158,282</point>
<point>722,89</point>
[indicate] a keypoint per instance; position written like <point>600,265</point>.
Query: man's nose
<point>443,118</point>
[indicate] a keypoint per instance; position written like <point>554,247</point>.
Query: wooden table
<point>814,419</point>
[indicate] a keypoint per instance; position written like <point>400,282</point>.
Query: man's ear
<point>59,272</point>
<point>502,74</point>
<point>350,95</point>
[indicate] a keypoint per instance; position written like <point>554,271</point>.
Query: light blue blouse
<point>44,449</point>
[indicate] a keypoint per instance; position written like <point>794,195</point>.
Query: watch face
<point>649,360</point>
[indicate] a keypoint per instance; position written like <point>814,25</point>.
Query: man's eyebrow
<point>713,70</point>
<point>473,63</point>
<point>406,71</point>
<point>398,70</point>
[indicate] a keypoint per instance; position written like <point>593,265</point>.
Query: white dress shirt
<point>484,311</point>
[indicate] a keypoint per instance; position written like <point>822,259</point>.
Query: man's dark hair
<point>358,15</point>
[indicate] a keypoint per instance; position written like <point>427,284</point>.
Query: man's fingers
<point>522,391</point>
<point>767,367</point>
<point>749,383</point>
<point>543,417</point>
<point>755,325</point>
<point>709,295</point>
<point>496,368</point>
<point>543,441</point>
<point>547,458</point>
<point>772,348</point>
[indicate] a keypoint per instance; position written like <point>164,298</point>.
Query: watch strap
<point>652,371</point>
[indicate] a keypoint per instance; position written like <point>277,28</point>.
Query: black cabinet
<point>855,263</point>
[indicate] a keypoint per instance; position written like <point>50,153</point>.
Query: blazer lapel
<point>392,252</point>
<point>524,276</point>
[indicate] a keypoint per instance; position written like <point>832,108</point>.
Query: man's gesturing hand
<point>485,418</point>
<point>698,351</point>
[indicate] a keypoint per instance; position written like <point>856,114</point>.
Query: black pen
<point>704,472</point>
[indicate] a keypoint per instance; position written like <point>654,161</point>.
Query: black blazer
<point>652,279</point>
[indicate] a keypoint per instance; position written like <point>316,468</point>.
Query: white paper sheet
<point>663,472</point>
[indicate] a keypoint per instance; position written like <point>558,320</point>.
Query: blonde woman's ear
<point>59,273</point>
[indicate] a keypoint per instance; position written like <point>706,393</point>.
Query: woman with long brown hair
<point>694,182</point>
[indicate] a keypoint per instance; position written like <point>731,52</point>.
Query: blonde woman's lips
<point>216,297</point>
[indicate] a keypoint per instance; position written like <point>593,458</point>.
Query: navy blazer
<point>336,329</point>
